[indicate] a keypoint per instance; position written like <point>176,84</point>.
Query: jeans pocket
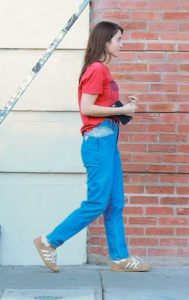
<point>89,151</point>
<point>99,132</point>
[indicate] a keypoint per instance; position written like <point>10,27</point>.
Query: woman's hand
<point>133,99</point>
<point>130,107</point>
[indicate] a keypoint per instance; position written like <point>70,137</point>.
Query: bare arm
<point>89,108</point>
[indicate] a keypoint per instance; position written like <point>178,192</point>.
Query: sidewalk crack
<point>102,284</point>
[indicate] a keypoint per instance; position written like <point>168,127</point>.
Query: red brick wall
<point>154,65</point>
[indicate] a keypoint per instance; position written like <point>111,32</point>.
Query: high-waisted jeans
<point>105,193</point>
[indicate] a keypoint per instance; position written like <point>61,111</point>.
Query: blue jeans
<point>105,194</point>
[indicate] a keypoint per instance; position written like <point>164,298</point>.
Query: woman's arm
<point>89,108</point>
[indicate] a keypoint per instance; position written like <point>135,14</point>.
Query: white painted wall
<point>41,174</point>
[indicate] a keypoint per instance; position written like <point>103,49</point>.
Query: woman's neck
<point>106,60</point>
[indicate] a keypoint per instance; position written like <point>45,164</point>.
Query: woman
<point>97,93</point>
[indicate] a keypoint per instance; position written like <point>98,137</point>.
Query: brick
<point>183,26</point>
<point>173,221</point>
<point>134,231</point>
<point>148,16</point>
<point>94,240</point>
<point>143,220</point>
<point>178,56</point>
<point>159,211</point>
<point>133,67</point>
<point>138,251</point>
<point>183,4</point>
<point>161,46</point>
<point>105,4</point>
<point>182,190</point>
<point>183,128</point>
<point>184,107</point>
<point>182,211</point>
<point>96,230</point>
<point>183,169</point>
<point>124,136</point>
<point>126,56</point>
<point>182,231</point>
<point>161,127</point>
<point>178,178</point>
<point>146,77</point>
<point>146,157</point>
<point>150,56</point>
<point>133,210</point>
<point>134,25</point>
<point>134,167</point>
<point>98,250</point>
<point>160,189</point>
<point>133,46</point>
<point>133,5</point>
<point>173,138</point>
<point>160,231</point>
<point>184,88</point>
<point>94,250</point>
<point>142,178</point>
<point>161,147</point>
<point>143,200</point>
<point>126,157</point>
<point>161,252</point>
<point>112,15</point>
<point>144,36</point>
<point>147,118</point>
<point>162,168</point>
<point>143,242</point>
<point>143,138</point>
<point>176,78</point>
<point>176,16</point>
<point>174,242</point>
<point>177,158</point>
<point>121,76</point>
<point>161,26</point>
<point>163,5</point>
<point>162,107</point>
<point>174,36</point>
<point>131,87</point>
<point>180,98</point>
<point>163,67</point>
<point>174,200</point>
<point>132,189</point>
<point>183,47</point>
<point>164,87</point>
<point>102,241</point>
<point>134,148</point>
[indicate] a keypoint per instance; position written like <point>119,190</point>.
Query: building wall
<point>154,65</point>
<point>41,175</point>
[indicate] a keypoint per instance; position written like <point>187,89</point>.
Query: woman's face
<point>114,46</point>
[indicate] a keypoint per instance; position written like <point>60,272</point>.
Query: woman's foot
<point>47,253</point>
<point>130,264</point>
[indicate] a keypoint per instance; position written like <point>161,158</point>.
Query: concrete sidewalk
<point>93,283</point>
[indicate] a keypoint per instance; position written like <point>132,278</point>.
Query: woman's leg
<point>98,158</point>
<point>113,217</point>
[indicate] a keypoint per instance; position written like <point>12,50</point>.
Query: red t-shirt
<point>97,80</point>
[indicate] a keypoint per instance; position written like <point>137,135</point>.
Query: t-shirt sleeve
<point>93,80</point>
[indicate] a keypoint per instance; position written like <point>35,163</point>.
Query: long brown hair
<point>102,33</point>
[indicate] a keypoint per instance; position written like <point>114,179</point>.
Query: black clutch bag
<point>124,119</point>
